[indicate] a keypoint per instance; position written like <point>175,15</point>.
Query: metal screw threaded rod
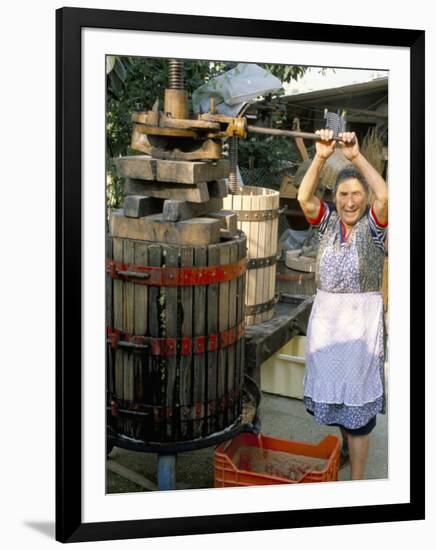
<point>233,156</point>
<point>175,74</point>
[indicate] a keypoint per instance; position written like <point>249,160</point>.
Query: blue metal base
<point>166,472</point>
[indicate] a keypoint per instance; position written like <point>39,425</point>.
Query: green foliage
<point>285,73</point>
<point>266,152</point>
<point>137,87</point>
<point>128,85</point>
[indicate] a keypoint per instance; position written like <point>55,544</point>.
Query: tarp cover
<point>233,88</point>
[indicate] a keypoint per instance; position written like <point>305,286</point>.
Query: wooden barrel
<point>175,322</point>
<point>257,210</point>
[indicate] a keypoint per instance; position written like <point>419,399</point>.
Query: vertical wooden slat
<point>171,260</point>
<point>129,290</point>
<point>232,322</point>
<point>223,325</point>
<point>261,252</point>
<point>274,237</point>
<point>118,286</point>
<point>138,376</point>
<point>186,303</point>
<point>199,389</point>
<point>266,272</point>
<point>242,313</point>
<point>125,355</point>
<point>265,236</point>
<point>245,204</point>
<point>109,287</point>
<point>240,306</point>
<point>268,252</point>
<point>242,246</point>
<point>154,259</point>
<point>128,322</point>
<point>125,419</point>
<point>140,359</point>
<point>157,370</point>
<point>118,289</point>
<point>253,251</point>
<point>255,226</point>
<point>138,388</point>
<point>128,376</point>
<point>110,353</point>
<point>212,356</point>
<point>141,291</point>
<point>128,386</point>
<point>119,376</point>
<point>110,370</point>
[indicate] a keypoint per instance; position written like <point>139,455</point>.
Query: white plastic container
<point>283,372</point>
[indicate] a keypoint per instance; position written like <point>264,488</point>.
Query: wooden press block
<point>191,172</point>
<point>136,166</point>
<point>196,231</point>
<point>137,206</point>
<point>140,143</point>
<point>218,189</point>
<point>192,193</point>
<point>172,171</point>
<point>228,222</point>
<point>174,210</point>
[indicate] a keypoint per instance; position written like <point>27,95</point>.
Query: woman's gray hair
<point>347,173</point>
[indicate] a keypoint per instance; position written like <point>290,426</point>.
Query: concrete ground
<point>286,417</point>
<point>280,416</point>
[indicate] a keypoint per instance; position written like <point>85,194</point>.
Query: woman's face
<point>351,201</point>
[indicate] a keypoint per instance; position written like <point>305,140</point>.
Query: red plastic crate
<point>231,471</point>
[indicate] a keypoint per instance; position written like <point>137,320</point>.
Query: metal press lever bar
<point>277,132</point>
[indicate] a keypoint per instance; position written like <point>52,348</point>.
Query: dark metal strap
<point>256,215</point>
<point>175,276</point>
<point>199,409</point>
<point>261,308</point>
<point>168,347</point>
<point>124,407</point>
<point>257,263</point>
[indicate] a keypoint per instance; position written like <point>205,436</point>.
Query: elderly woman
<point>344,377</point>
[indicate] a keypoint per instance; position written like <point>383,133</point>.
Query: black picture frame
<point>69,22</point>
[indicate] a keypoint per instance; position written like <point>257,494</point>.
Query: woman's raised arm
<point>310,204</point>
<point>350,148</point>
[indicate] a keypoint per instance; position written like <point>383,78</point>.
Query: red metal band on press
<point>175,276</point>
<point>167,347</point>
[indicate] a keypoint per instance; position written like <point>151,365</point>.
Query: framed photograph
<point>107,396</point>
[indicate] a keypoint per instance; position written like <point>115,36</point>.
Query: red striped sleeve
<point>379,224</point>
<point>315,221</point>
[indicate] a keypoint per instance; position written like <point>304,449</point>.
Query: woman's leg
<point>358,447</point>
<point>344,452</point>
<point>344,434</point>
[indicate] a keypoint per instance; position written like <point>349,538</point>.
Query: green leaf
<point>120,70</point>
<point>110,63</point>
<point>116,85</point>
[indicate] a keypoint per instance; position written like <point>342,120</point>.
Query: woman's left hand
<point>349,145</point>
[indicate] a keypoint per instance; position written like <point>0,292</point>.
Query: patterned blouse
<point>352,264</point>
